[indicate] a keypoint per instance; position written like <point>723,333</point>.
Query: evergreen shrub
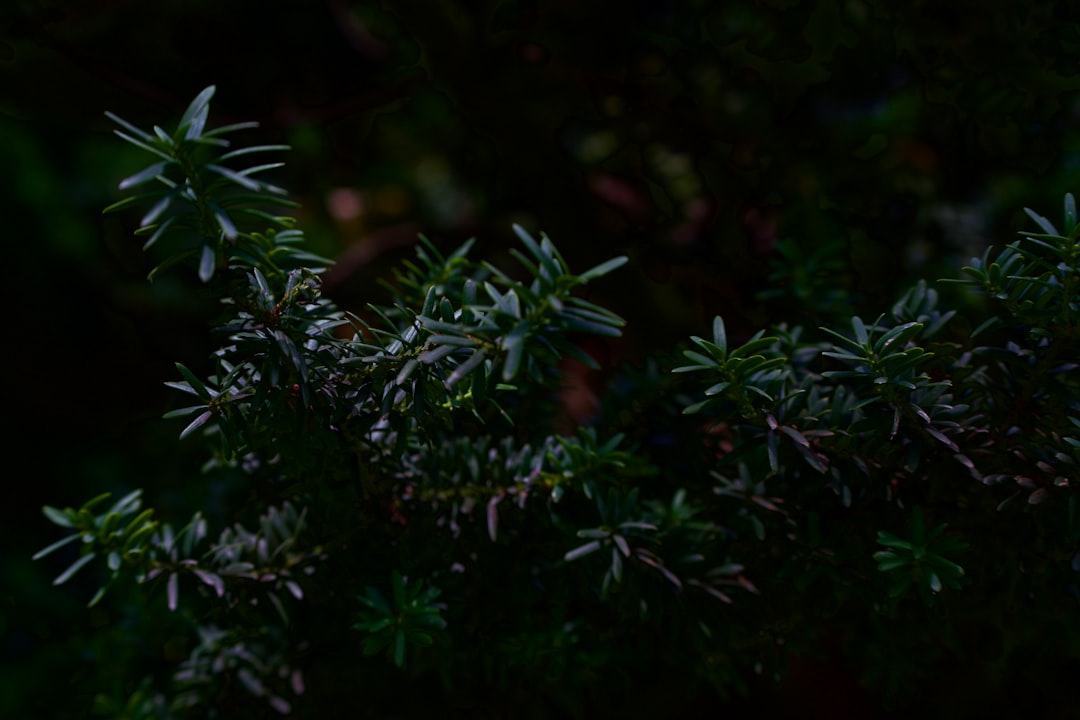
<point>417,530</point>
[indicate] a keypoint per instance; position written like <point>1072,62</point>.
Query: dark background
<point>745,155</point>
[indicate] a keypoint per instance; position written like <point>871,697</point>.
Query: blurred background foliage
<point>767,161</point>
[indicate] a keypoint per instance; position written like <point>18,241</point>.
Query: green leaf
<point>533,269</point>
<point>602,318</point>
<point>144,145</point>
<point>129,127</point>
<point>697,357</point>
<point>717,388</point>
<point>593,308</point>
<point>73,568</point>
<point>546,261</point>
<point>720,334</point>
<point>947,569</point>
<point>236,177</point>
<point>135,538</point>
<point>96,500</point>
<point>899,336</point>
<point>399,648</point>
<point>429,302</point>
<point>55,546</point>
<point>229,128</point>
<point>795,435</point>
<point>172,591</point>
<point>228,229</point>
<point>616,565</point>
<point>57,517</point>
<point>155,212</point>
<point>549,248</point>
<point>693,368</point>
<point>138,522</point>
<point>510,304</point>
<point>161,229</point>
<point>182,412</point>
<point>196,112</point>
<point>603,268</point>
<point>164,137</point>
<point>196,423</point>
<point>195,383</point>
<point>888,561</point>
<point>861,334</point>
<point>583,550</point>
<point>455,340</point>
<point>848,342</point>
<point>890,540</point>
<point>206,262</point>
<point>127,504</point>
<point>97,596</point>
<point>696,407</point>
<point>437,353</point>
<point>465,368</point>
<point>438,326</point>
<point>252,149</point>
<point>406,370</point>
<point>260,281</point>
<point>213,580</point>
<point>577,324</point>
<point>813,459</point>
<point>1046,225</point>
<point>942,438</point>
<point>753,346</point>
<point>121,204</point>
<point>514,345</point>
<point>168,263</point>
<point>933,581</point>
<point>143,175</point>
<point>991,322</point>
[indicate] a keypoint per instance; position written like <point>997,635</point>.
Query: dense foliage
<point>412,506</point>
